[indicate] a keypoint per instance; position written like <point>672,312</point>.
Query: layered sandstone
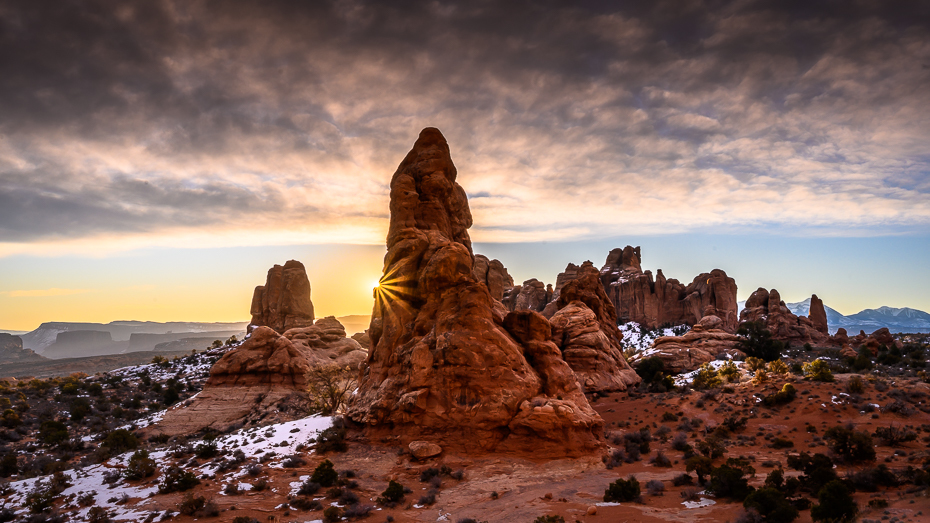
<point>284,301</point>
<point>698,346</point>
<point>661,301</point>
<point>493,274</point>
<point>767,307</point>
<point>443,367</point>
<point>325,343</point>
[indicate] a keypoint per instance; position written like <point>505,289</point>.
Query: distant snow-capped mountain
<point>903,319</point>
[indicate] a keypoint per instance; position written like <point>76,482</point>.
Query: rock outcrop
<point>284,301</point>
<point>700,345</point>
<point>874,342</point>
<point>493,274</point>
<point>584,326</point>
<point>818,315</point>
<point>325,343</point>
<point>12,351</point>
<point>768,308</point>
<point>653,303</point>
<point>533,295</point>
<point>443,367</point>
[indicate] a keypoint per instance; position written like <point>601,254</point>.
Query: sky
<point>157,158</point>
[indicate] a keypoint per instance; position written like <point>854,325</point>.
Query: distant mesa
<point>284,301</point>
<point>69,344</point>
<point>448,363</point>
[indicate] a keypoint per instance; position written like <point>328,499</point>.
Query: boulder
<point>424,449</point>
<point>284,301</point>
<point>442,366</point>
<point>325,343</point>
<point>655,302</point>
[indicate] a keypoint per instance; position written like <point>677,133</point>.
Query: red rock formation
<point>767,307</point>
<point>325,343</point>
<point>442,367</point>
<point>653,303</point>
<point>533,295</point>
<point>584,326</point>
<point>493,274</point>
<point>284,301</point>
<point>818,315</point>
<point>874,341</point>
<point>700,345</point>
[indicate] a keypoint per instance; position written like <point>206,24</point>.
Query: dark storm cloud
<point>131,117</point>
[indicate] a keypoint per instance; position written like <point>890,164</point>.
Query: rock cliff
<point>767,307</point>
<point>443,364</point>
<point>660,301</point>
<point>700,345</point>
<point>284,301</point>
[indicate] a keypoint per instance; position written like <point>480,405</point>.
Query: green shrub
<point>855,385</point>
<point>140,466</point>
<point>325,474</point>
<point>758,341</point>
<point>771,505</point>
<point>80,408</point>
<point>729,480</point>
<point>835,504</point>
<point>198,507</point>
<point>854,446</point>
<point>121,440</point>
<point>332,439</point>
<point>552,518</point>
<point>729,372</point>
<point>818,370</point>
<point>332,514</point>
<point>394,493</point>
<point>706,378</point>
<point>206,450</point>
<point>623,490</point>
<point>177,480</point>
<point>818,470</point>
<point>52,432</point>
<point>98,515</point>
<point>787,394</point>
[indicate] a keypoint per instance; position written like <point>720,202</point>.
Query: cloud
<point>42,293</point>
<point>283,121</point>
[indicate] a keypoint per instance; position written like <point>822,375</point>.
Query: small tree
<point>623,490</point>
<point>852,445</point>
<point>324,474</point>
<point>394,493</point>
<point>771,505</point>
<point>835,504</point>
<point>758,341</point>
<point>329,387</point>
<point>700,465</point>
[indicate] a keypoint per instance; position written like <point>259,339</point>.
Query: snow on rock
<point>687,378</point>
<point>639,341</point>
<point>704,502</point>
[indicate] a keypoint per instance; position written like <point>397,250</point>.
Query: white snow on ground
<point>698,504</point>
<point>608,504</point>
<point>295,485</point>
<point>282,438</point>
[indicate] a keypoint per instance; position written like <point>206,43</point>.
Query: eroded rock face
<point>652,303</point>
<point>442,366</point>
<point>584,326</point>
<point>493,274</point>
<point>767,307</point>
<point>12,351</point>
<point>249,384</point>
<point>700,345</point>
<point>284,301</point>
<point>818,315</point>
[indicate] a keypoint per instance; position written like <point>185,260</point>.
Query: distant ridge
<point>904,319</point>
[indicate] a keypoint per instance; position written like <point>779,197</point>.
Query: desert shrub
<point>121,440</point>
<point>706,378</point>
<point>682,479</point>
<point>330,387</point>
<point>80,408</point>
<point>293,461</point>
<point>758,341</point>
<point>140,466</point>
<point>680,442</point>
<point>8,465</point>
<point>771,505</point>
<point>668,416</point>
<point>177,480</point>
<point>244,519</point>
<point>863,360</point>
<point>623,490</point>
<point>651,370</point>
<point>206,450</point>
<point>52,432</point>
<point>308,488</point>
<point>198,507</point>
<point>661,460</point>
<point>778,367</point>
<point>835,504</point>
<point>818,370</point>
<point>305,504</point>
<point>818,470</point>
<point>98,515</point>
<point>782,443</point>
<point>392,494</point>
<point>260,485</point>
<point>325,474</point>
<point>40,499</point>
<point>729,372</point>
<point>735,424</point>
<point>855,385</point>
<point>358,511</point>
<point>87,499</point>
<point>894,436</point>
<point>755,364</point>
<point>854,446</point>
<point>655,487</point>
<point>878,504</point>
<point>332,439</point>
<point>231,489</point>
<point>552,518</point>
<point>712,447</point>
<point>638,440</point>
<point>700,465</point>
<point>429,498</point>
<point>787,394</point>
<point>729,480</point>
<point>869,479</point>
